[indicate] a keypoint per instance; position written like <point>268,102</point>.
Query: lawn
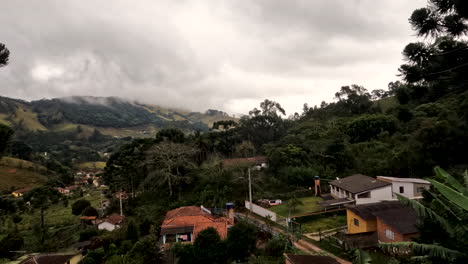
<point>17,174</point>
<point>315,223</point>
<point>310,205</point>
<point>98,165</point>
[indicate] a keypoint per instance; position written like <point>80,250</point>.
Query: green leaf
<point>451,181</point>
<point>425,212</point>
<point>453,196</point>
<point>361,257</point>
<point>405,248</point>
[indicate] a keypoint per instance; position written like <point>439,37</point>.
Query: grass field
<point>17,174</point>
<point>98,165</point>
<point>310,205</point>
<point>322,222</point>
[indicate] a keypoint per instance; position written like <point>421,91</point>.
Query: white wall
<point>407,186</point>
<point>261,211</point>
<point>106,226</point>
<point>377,195</point>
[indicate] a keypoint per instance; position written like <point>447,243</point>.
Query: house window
<point>356,222</point>
<point>364,195</point>
<point>402,189</point>
<point>389,234</point>
<point>420,189</point>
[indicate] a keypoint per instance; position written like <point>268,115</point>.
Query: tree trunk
<point>42,226</point>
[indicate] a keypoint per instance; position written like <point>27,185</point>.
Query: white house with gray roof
<point>361,189</point>
<point>409,187</point>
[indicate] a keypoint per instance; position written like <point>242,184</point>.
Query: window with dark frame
<point>402,189</point>
<point>356,222</point>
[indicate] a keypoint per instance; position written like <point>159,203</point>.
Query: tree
<point>132,231</point>
<point>5,135</point>
<point>241,241</point>
<point>4,55</point>
<point>42,198</point>
<point>90,211</point>
<point>79,206</point>
<point>293,203</point>
<point>208,247</point>
<point>16,220</point>
<point>448,209</point>
<point>167,163</point>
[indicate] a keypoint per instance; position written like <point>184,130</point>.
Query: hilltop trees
<point>4,55</point>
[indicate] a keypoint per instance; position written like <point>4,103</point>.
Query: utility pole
<point>250,191</point>
<point>121,209</point>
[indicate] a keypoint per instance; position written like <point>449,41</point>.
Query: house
<point>111,222</point>
<point>185,223</point>
<point>388,221</point>
<point>52,258</point>
<point>21,192</point>
<point>361,189</point>
<point>67,190</point>
<point>409,187</point>
<point>308,259</point>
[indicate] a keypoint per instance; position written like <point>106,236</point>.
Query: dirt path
<point>303,244</point>
<point>313,250</point>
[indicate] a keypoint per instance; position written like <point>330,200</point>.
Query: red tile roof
<point>24,190</point>
<point>237,161</point>
<point>194,217</point>
<point>114,219</point>
<point>220,227</point>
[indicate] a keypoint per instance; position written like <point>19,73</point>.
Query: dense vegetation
<point>419,123</point>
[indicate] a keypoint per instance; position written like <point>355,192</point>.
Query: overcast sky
<point>226,55</point>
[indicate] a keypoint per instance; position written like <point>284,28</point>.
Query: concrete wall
<point>377,195</point>
<point>106,226</point>
<point>261,211</point>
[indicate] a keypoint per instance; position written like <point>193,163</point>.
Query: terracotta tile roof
<point>220,227</point>
<point>114,219</point>
<point>359,183</point>
<point>253,160</point>
<point>193,218</point>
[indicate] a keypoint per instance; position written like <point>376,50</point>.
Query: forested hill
<point>113,116</point>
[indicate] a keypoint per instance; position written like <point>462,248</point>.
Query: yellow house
<point>361,218</point>
<point>20,192</point>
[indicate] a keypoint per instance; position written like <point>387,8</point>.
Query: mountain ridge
<point>107,114</point>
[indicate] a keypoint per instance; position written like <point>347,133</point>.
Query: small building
<point>411,188</point>
<point>361,189</point>
<point>52,258</point>
<point>185,223</point>
<point>111,222</point>
<point>21,192</point>
<point>388,221</point>
<point>67,190</point>
<point>308,259</point>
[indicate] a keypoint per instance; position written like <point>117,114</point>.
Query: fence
<point>261,211</point>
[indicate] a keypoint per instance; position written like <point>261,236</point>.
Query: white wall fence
<point>261,211</point>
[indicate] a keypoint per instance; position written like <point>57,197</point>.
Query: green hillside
<point>110,115</point>
<point>17,174</point>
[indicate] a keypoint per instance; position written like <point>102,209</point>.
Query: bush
<point>90,211</point>
<point>88,234</point>
<point>79,206</point>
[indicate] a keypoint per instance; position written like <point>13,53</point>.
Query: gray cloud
<point>189,54</point>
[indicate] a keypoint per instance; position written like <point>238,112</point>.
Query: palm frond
<point>444,204</point>
<point>465,176</point>
<point>425,212</point>
<point>406,248</point>
<point>450,180</point>
<point>452,195</point>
